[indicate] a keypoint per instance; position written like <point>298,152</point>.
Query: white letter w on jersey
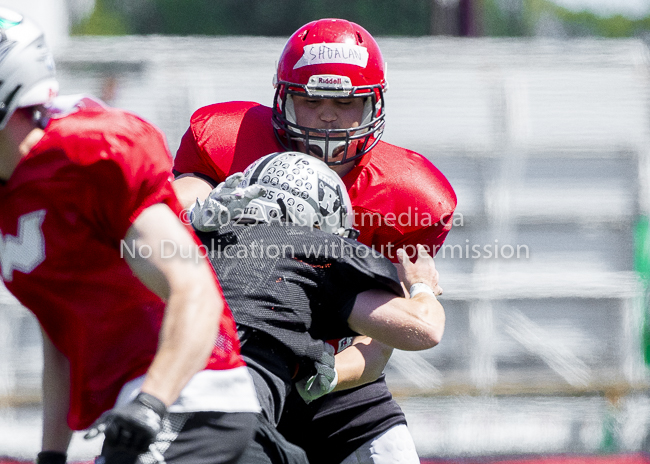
<point>25,251</point>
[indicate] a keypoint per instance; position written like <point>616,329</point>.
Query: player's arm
<point>189,327</point>
<point>189,187</point>
<point>410,324</point>
<point>56,401</point>
<point>362,362</point>
<point>188,286</point>
<point>365,360</point>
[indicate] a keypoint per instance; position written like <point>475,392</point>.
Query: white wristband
<point>420,287</point>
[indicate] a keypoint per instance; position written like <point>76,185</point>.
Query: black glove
<point>51,457</point>
<point>131,428</point>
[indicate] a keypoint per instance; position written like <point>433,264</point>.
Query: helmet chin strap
<point>326,147</point>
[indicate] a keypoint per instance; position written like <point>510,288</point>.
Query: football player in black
<point>294,276</point>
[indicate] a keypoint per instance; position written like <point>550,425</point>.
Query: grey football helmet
<point>300,189</point>
<point>26,65</point>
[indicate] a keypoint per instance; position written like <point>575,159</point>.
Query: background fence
<point>546,144</point>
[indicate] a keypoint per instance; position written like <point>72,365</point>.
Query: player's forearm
<point>427,317</point>
<point>361,363</point>
<point>188,188</point>
<point>56,398</point>
<point>187,284</point>
<point>418,323</point>
<point>406,324</point>
<point>189,330</point>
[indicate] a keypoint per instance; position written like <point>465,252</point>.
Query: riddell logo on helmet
<point>330,80</point>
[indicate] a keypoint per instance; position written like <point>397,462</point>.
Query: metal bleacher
<point>548,154</point>
<point>554,170</point>
<point>547,145</point>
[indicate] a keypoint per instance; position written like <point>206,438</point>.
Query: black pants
<point>270,447</point>
<point>194,438</point>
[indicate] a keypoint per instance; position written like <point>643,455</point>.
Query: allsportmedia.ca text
<point>412,217</point>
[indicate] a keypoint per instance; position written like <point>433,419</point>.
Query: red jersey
<point>65,210</point>
<point>400,199</point>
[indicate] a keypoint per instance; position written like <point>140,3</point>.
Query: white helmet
<point>26,65</point>
<point>299,189</point>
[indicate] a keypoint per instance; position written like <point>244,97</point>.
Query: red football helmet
<point>330,58</point>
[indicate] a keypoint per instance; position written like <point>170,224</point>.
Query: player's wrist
<point>153,403</point>
<point>421,287</point>
<point>51,457</point>
<point>334,382</point>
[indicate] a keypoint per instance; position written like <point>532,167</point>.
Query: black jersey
<point>289,288</point>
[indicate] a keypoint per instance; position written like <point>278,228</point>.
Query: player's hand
<point>131,428</point>
<point>233,197</point>
<point>224,203</point>
<point>323,381</point>
<point>423,270</point>
<point>209,216</point>
<point>228,186</point>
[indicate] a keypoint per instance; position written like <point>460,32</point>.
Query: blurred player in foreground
<point>293,278</point>
<point>87,205</point>
<point>329,102</point>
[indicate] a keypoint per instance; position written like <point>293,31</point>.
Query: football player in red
<point>91,243</point>
<point>329,102</point>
